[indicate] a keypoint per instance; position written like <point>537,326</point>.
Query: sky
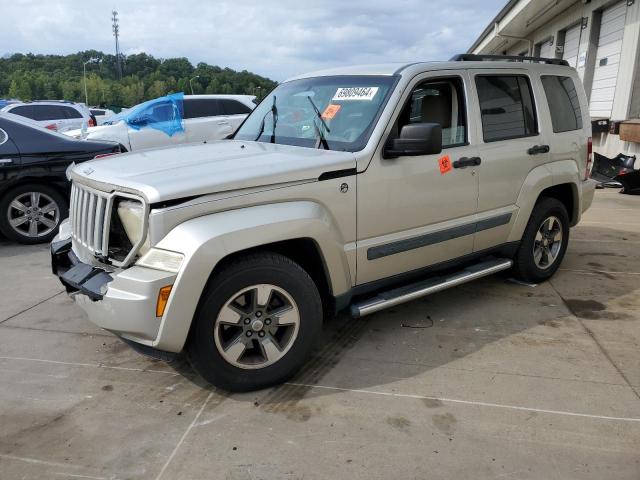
<point>277,39</point>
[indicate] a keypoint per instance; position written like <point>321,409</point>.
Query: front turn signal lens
<point>163,298</point>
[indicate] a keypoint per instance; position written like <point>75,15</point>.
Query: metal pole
<point>191,84</point>
<point>116,32</point>
<point>84,75</point>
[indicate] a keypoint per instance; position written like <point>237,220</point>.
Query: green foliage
<point>41,77</point>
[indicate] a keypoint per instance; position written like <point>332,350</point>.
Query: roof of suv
<point>77,106</point>
<point>416,67</point>
<point>221,96</point>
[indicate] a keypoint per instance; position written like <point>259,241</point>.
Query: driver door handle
<point>467,162</point>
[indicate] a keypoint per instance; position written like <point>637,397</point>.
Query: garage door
<point>607,60</point>
<point>547,50</point>
<point>571,45</point>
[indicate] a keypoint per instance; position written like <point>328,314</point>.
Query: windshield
<point>335,113</point>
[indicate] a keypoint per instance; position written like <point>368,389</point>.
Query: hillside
<point>30,77</point>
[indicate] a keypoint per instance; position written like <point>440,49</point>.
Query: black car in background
<point>34,191</point>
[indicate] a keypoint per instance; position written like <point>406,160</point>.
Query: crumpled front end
<point>128,302</point>
<point>103,258</point>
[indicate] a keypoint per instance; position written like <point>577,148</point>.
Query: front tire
<point>32,213</point>
<point>544,242</point>
<point>256,323</point>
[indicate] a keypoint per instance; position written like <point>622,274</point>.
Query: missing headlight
<point>126,230</point>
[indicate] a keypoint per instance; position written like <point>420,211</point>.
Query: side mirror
<point>415,139</point>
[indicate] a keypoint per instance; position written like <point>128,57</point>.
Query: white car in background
<point>101,114</point>
<point>153,124</point>
<point>57,115</point>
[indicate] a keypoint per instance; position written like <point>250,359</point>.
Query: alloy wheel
<point>547,243</point>
<point>33,214</point>
<point>257,326</point>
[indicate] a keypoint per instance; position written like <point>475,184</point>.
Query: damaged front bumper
<point>121,301</point>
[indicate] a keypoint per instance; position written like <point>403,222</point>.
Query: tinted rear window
<point>201,107</point>
<point>97,113</point>
<point>48,112</point>
<point>71,112</point>
<point>564,104</point>
<point>23,110</point>
<point>506,106</point>
<point>234,107</point>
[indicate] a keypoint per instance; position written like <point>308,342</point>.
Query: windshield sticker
<point>331,111</point>
<point>355,93</point>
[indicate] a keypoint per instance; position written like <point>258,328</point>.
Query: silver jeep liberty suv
<point>357,188</point>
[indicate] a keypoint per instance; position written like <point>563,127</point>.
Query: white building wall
<point>626,100</point>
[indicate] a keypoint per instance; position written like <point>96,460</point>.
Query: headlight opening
<point>127,229</point>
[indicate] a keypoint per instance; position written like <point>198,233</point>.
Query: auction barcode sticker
<point>355,93</point>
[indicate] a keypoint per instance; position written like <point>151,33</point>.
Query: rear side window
<point>23,111</point>
<point>71,112</point>
<point>233,107</point>
<point>506,107</point>
<point>563,101</point>
<point>47,112</point>
<point>201,107</point>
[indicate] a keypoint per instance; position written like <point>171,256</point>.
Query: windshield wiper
<point>274,114</point>
<point>323,140</point>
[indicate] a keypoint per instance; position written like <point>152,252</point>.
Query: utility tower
<point>116,33</point>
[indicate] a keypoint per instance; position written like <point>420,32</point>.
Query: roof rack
<point>470,57</point>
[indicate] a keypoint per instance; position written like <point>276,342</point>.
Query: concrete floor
<point>489,380</point>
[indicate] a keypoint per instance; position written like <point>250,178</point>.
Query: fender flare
<point>538,180</point>
<point>206,240</point>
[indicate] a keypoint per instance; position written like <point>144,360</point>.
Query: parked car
<point>4,102</point>
<point>34,191</point>
<point>173,120</point>
<point>54,115</point>
<point>101,114</point>
<point>356,188</point>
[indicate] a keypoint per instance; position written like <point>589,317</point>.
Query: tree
<point>29,77</point>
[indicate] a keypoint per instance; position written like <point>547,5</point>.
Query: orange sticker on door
<point>331,111</point>
<point>445,164</point>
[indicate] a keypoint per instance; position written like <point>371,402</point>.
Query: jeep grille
<point>87,213</point>
<point>95,233</point>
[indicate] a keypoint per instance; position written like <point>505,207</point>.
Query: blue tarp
<point>165,114</point>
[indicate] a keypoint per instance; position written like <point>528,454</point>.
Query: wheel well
<point>306,253</point>
<point>44,181</point>
<point>565,194</point>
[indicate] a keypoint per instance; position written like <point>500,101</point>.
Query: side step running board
<point>423,288</point>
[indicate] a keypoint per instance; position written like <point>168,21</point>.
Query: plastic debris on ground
<point>520,282</point>
<point>630,182</point>
<point>606,170</point>
<point>164,113</point>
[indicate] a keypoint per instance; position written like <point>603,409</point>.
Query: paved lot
<point>488,380</point>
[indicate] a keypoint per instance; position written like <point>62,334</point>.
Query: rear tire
<point>544,242</point>
<point>256,324</point>
<point>31,213</point>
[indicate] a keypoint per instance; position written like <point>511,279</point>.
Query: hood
<point>116,133</point>
<point>200,169</point>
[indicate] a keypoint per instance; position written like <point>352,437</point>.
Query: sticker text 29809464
<point>355,93</point>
